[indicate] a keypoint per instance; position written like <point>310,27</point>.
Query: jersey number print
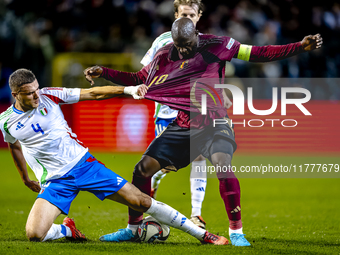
<point>38,129</point>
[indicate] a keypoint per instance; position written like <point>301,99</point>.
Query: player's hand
<point>311,42</point>
<point>142,90</point>
<point>137,92</point>
<point>227,102</point>
<point>93,72</point>
<point>33,185</point>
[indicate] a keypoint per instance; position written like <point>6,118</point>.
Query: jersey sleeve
<point>126,78</point>
<point>62,95</point>
<point>159,42</point>
<point>228,48</point>
<point>8,138</point>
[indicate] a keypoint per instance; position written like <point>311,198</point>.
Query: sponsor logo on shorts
<point>44,186</point>
<point>225,132</point>
<point>119,180</point>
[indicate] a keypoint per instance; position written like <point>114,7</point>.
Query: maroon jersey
<point>171,80</point>
<point>180,83</point>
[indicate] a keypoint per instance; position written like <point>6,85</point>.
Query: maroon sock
<point>231,195</point>
<point>235,224</point>
<point>144,184</point>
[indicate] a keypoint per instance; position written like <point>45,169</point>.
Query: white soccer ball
<point>165,232</point>
<point>149,231</point>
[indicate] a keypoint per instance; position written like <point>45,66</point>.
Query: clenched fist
<point>92,72</point>
<point>311,42</point>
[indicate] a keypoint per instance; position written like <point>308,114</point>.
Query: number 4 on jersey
<point>38,129</point>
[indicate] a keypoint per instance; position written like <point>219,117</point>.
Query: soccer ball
<point>165,229</point>
<point>149,231</point>
<point>165,233</point>
<point>162,235</point>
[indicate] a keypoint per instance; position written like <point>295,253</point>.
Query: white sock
<point>237,231</point>
<point>57,231</point>
<point>133,228</point>
<point>156,179</point>
<point>169,216</point>
<point>198,184</point>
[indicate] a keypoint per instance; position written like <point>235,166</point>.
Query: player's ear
<point>176,15</point>
<point>199,15</point>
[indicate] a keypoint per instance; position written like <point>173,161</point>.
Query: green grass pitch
<point>280,216</point>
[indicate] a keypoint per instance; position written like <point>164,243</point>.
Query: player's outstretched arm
<point>20,163</point>
<point>117,77</point>
<point>106,92</point>
<point>278,52</point>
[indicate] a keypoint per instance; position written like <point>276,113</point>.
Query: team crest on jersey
<point>42,109</point>
<point>184,64</point>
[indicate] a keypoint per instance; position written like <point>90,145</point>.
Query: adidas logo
<point>200,189</point>
<point>19,125</point>
<point>119,180</point>
<point>237,209</point>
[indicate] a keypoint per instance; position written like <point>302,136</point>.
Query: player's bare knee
<point>142,170</point>
<point>141,204</point>
<point>145,203</point>
<point>35,236</point>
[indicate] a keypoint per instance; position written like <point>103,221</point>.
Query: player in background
<point>164,115</point>
<point>37,133</point>
<point>205,56</point>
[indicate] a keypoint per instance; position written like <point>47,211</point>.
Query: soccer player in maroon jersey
<point>193,57</point>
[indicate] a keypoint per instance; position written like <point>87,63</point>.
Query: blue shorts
<point>161,125</point>
<point>88,175</point>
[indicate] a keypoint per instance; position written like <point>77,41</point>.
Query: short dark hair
<point>19,78</point>
<point>199,3</point>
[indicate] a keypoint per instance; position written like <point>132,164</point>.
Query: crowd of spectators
<point>33,32</point>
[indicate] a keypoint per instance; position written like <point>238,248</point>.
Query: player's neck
<point>18,106</point>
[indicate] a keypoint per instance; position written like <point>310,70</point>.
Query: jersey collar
<point>16,110</point>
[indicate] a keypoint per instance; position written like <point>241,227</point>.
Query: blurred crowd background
<point>32,33</point>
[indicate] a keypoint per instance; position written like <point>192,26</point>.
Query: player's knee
<point>221,159</point>
<point>140,203</point>
<point>145,203</point>
<point>34,235</point>
<point>141,170</point>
